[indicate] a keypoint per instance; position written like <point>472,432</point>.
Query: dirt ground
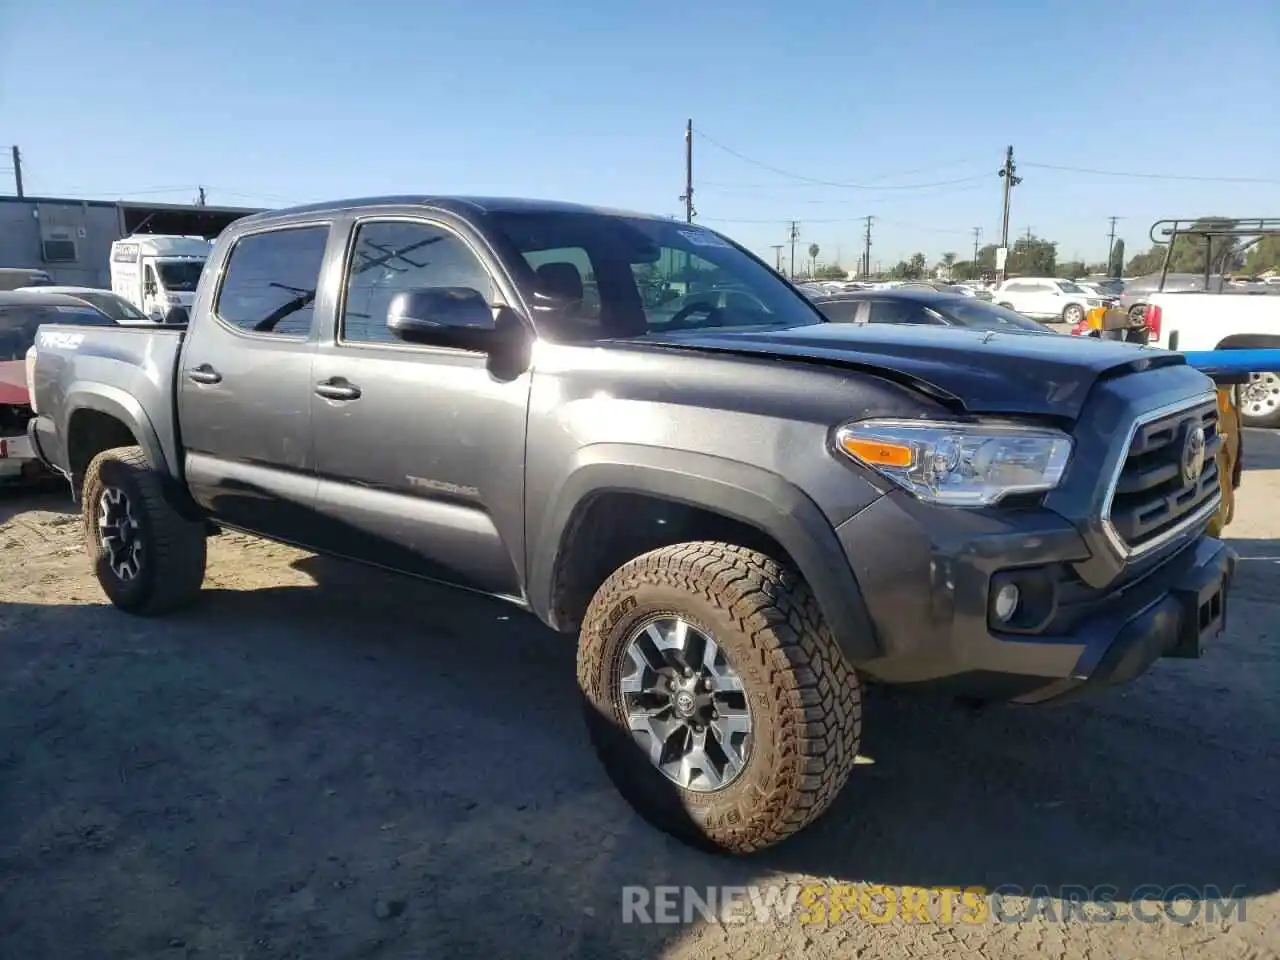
<point>322,761</point>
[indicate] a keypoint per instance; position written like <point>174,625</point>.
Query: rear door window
<point>269,285</point>
<point>841,311</point>
<point>898,311</point>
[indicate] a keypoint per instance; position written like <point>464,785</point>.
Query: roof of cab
<point>459,205</point>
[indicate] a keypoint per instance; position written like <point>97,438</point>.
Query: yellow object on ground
<point>1228,454</point>
<point>1094,318</point>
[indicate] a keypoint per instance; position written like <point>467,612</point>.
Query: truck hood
<point>977,371</point>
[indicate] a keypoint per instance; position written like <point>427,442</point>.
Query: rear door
<point>1047,299</point>
<point>244,387</point>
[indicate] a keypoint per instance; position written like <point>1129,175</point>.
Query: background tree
<point>1032,257</point>
<point>830,271</point>
<point>964,270</point>
<point>948,264</point>
<point>1115,266</point>
<point>917,266</point>
<point>1072,269</point>
<point>813,257</point>
<point>1190,253</point>
<point>1263,256</point>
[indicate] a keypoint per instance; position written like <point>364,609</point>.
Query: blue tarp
<point>1234,362</point>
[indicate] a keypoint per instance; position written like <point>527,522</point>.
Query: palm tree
<point>813,258</point>
<point>948,263</point>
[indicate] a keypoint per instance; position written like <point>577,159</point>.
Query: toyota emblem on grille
<point>1193,455</point>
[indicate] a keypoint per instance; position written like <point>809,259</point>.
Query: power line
<point>1149,176</point>
<point>885,176</point>
<point>830,183</point>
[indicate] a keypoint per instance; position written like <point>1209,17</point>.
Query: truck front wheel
<point>716,696</point>
<point>147,557</point>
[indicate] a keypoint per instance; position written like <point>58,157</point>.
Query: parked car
<point>112,304</point>
<point>21,314</point>
<point>11,278</point>
<point>1046,298</point>
<point>741,510</point>
<point>1107,288</point>
<point>906,304</point>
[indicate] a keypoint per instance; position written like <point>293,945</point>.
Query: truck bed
<point>124,371</point>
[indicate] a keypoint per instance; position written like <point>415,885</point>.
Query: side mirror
<point>448,316</point>
<point>176,315</point>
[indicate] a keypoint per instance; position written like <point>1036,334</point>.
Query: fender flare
<point>116,403</point>
<point>743,492</point>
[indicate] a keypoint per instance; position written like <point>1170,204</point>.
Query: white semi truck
<point>156,273</point>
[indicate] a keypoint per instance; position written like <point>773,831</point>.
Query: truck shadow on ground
<point>375,763</point>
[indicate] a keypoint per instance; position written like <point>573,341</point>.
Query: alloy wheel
<point>119,534</point>
<point>685,704</point>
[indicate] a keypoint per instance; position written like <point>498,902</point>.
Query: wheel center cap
<point>684,703</point>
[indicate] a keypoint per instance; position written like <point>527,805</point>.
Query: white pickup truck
<point>1224,321</point>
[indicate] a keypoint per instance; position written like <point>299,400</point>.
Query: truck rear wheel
<point>1260,400</point>
<point>716,696</point>
<point>147,557</point>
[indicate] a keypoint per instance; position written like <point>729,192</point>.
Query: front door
<point>244,389</point>
<point>419,449</point>
<point>151,293</point>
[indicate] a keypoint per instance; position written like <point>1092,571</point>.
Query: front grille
<point>1152,501</point>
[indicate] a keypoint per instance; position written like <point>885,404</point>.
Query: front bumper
<point>929,579</point>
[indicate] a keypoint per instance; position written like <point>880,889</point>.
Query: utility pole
<point>1111,243</point>
<point>1010,181</point>
<point>1028,234</point>
<point>17,170</point>
<point>200,201</point>
<point>687,196</point>
<point>777,256</point>
<point>866,250</point>
<point>794,236</point>
<point>977,239</point>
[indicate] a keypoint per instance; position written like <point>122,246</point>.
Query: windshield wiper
<point>303,299</point>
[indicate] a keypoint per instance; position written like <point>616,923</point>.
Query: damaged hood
<point>978,370</point>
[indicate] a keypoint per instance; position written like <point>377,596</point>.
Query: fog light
<point>1006,605</point>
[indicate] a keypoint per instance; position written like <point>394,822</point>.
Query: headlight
<point>956,463</point>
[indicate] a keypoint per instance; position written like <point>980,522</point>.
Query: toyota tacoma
<point>635,429</point>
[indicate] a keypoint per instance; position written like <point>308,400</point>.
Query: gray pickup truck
<point>636,430</point>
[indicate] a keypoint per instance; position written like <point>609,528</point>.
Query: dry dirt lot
<point>322,761</point>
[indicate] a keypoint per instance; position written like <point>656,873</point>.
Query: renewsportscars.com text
<point>842,903</point>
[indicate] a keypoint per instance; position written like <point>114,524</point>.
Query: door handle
<point>337,388</point>
<point>204,374</point>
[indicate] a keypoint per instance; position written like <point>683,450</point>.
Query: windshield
<point>592,275</point>
<point>179,276</point>
<point>970,312</point>
<point>1066,286</point>
<point>117,308</point>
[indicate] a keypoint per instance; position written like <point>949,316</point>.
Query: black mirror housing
<point>449,316</point>
<point>176,316</point>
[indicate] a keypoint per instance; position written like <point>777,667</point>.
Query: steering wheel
<point>678,322</point>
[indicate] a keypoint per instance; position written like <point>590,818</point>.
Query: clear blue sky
<point>276,101</point>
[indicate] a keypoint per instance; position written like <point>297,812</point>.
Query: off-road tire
<point>805,699</point>
<point>173,548</point>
